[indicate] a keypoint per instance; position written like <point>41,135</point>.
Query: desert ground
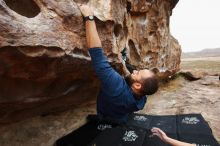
<point>177,96</point>
<point>180,96</point>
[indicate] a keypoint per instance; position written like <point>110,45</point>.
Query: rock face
<point>44,65</point>
<point>192,75</point>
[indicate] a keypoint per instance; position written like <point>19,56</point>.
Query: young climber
<point>158,132</point>
<point>118,97</point>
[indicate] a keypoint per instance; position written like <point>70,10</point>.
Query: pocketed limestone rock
<point>44,63</point>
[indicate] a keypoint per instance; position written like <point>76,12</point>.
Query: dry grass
<point>208,64</point>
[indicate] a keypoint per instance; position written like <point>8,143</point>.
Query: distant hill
<point>204,53</point>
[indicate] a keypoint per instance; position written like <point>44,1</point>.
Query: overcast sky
<point>196,24</point>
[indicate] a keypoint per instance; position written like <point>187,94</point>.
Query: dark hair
<point>149,86</point>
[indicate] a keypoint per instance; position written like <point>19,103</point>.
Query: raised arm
<point>158,132</point>
<point>92,36</point>
<point>112,82</point>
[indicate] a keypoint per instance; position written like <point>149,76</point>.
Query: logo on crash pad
<point>103,126</point>
<point>140,118</point>
<point>190,120</point>
<point>130,136</point>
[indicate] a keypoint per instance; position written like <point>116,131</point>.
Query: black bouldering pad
<point>85,134</point>
<point>120,136</point>
<point>166,123</point>
<point>191,128</point>
<point>155,141</point>
<point>193,124</point>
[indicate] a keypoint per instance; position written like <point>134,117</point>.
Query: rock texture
<point>44,65</point>
<point>193,75</point>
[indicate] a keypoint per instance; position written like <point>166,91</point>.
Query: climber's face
<point>139,75</point>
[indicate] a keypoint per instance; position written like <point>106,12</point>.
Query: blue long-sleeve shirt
<point>115,99</point>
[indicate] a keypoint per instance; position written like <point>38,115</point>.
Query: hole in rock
<point>135,57</point>
<point>152,33</point>
<point>26,8</point>
<point>125,29</point>
<point>150,1</point>
<point>81,1</point>
<point>128,7</point>
<point>117,30</point>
